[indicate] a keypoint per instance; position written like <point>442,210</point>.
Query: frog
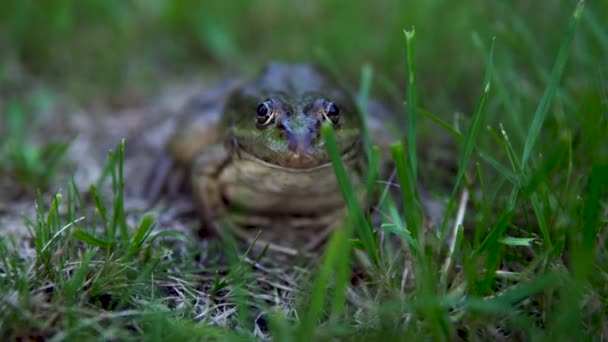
<point>257,160</point>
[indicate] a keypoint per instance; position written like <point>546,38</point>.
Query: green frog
<point>259,161</point>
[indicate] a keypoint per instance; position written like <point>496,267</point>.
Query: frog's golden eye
<point>265,112</point>
<point>332,112</point>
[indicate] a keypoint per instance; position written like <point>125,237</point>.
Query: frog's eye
<point>265,112</point>
<point>332,112</point>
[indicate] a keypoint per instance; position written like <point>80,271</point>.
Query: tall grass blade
<point>362,104</point>
<point>409,193</point>
<point>470,140</point>
<point>351,195</point>
<point>412,105</point>
<point>558,68</point>
<point>584,246</point>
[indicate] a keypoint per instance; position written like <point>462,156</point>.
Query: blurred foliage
<point>105,44</point>
<point>118,49</point>
<point>29,166</point>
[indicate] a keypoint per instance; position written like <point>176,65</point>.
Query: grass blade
<point>448,127</point>
<point>412,113</point>
<point>558,68</point>
<point>585,245</point>
<point>362,104</point>
<point>91,240</point>
<point>470,139</point>
<point>362,226</point>
<point>409,193</point>
<point>476,123</point>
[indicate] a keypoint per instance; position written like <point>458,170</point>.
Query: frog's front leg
<point>175,162</point>
<point>206,188</point>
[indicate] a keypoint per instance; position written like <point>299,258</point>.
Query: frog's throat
<point>348,156</point>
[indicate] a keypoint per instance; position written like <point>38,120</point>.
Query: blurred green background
<point>123,52</point>
<point>111,46</point>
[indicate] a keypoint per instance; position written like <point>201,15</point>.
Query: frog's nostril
<point>301,142</point>
<point>283,125</point>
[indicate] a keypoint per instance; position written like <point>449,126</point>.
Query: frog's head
<point>278,119</point>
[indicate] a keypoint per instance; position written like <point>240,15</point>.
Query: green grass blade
<point>350,194</point>
<point>120,195</point>
<point>501,169</point>
<point>503,304</point>
<point>362,104</point>
<point>78,280</point>
<point>501,88</point>
<point>91,240</point>
<point>412,113</point>
<point>470,139</point>
<point>99,206</point>
<point>598,29</point>
<point>140,235</point>
<point>372,174</point>
<point>476,123</point>
<point>545,103</point>
<point>409,191</point>
<point>584,246</point>
<point>338,244</point>
<point>336,259</point>
<point>441,123</point>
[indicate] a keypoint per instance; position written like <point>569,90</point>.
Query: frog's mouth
<point>298,161</point>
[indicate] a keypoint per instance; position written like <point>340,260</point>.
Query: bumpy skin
<point>272,171</point>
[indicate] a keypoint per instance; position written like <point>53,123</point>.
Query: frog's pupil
<point>333,110</point>
<point>262,109</point>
